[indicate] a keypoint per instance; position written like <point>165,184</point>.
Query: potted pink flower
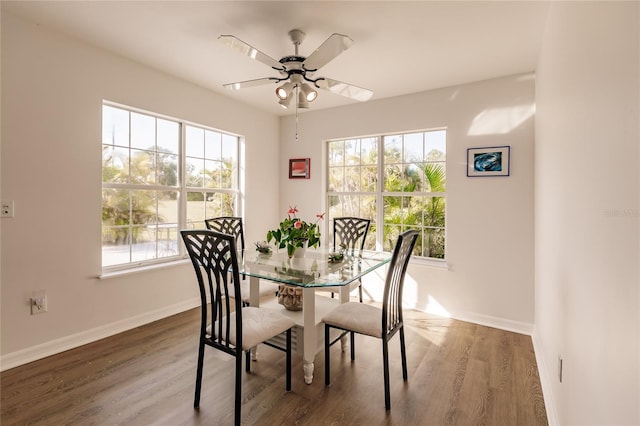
<point>294,232</point>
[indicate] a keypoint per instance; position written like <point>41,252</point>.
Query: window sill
<point>134,270</point>
<point>431,263</point>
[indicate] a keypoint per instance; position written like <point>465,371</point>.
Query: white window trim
<point>180,258</point>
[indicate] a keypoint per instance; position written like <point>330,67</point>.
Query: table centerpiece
<point>295,234</point>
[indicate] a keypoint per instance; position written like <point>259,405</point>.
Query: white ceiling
<point>400,47</point>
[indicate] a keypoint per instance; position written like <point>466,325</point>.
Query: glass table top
<point>314,269</point>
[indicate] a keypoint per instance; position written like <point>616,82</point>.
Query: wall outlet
<point>38,302</point>
<point>7,209</point>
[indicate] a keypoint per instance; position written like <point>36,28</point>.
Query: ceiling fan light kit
<point>297,72</point>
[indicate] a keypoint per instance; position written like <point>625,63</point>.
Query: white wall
<point>489,220</point>
<point>587,213</point>
<point>52,94</point>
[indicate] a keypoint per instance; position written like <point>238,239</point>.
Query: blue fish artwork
<point>487,162</point>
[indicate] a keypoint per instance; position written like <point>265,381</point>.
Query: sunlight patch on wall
<point>435,308</point>
<point>499,121</point>
<point>410,293</point>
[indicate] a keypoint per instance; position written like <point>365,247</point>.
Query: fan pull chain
<point>296,99</point>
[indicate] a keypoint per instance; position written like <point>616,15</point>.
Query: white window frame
<point>380,193</point>
<point>182,220</point>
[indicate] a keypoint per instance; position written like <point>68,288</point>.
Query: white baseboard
<point>53,347</point>
<point>546,375</point>
<point>486,320</point>
<point>495,322</point>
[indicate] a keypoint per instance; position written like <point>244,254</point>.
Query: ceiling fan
<point>297,72</point>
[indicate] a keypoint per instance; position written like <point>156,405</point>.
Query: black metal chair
<point>233,226</point>
<point>226,325</point>
<point>372,321</point>
<point>351,234</point>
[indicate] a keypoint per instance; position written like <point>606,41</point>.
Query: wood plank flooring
<point>459,374</point>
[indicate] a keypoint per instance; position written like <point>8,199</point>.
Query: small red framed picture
<point>299,168</point>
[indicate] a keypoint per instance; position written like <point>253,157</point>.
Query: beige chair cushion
<point>258,325</point>
<point>359,317</point>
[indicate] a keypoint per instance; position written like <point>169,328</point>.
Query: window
<point>397,181</point>
<point>153,184</point>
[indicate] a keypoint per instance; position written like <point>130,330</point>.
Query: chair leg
<point>327,378</point>
<point>353,345</point>
<point>385,361</point>
<point>288,379</point>
<point>238,399</point>
<point>196,399</point>
<point>360,291</point>
<point>403,352</point>
<point>247,364</point>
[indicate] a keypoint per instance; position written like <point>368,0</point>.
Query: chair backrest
<point>350,231</point>
<point>228,225</point>
<point>392,300</point>
<point>214,258</point>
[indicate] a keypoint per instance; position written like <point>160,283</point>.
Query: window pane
<point>229,148</point>
<point>194,172</point>
<point>436,146</point>
<point>352,179</point>
<point>392,149</point>
<point>115,126</point>
<point>115,164</point>
<point>433,243</point>
<point>226,175</point>
<point>115,245</point>
<point>195,210</point>
<point>168,136</point>
<point>116,209</point>
<point>435,177</point>
<point>336,179</point>
<point>167,169</point>
<point>168,207</point>
<point>393,178</point>
<point>194,142</point>
<point>143,243</point>
<point>413,177</point>
<point>369,179</point>
<point>212,174</point>
<point>212,145</point>
<point>143,131</point>
<point>352,152</point>
<point>336,153</point>
<point>369,151</point>
<point>142,167</point>
<point>143,207</point>
<point>413,147</point>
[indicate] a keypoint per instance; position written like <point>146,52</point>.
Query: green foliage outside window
<point>141,183</point>
<point>412,194</point>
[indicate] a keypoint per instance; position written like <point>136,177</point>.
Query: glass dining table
<point>312,271</point>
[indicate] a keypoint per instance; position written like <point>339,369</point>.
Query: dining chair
<point>233,226</point>
<point>352,317</point>
<point>225,325</point>
<point>350,233</point>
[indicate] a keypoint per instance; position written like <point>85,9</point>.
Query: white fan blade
<point>344,89</point>
<point>250,51</point>
<point>332,47</point>
<point>250,83</point>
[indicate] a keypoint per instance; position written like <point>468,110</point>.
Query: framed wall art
<point>489,161</point>
<point>299,168</point>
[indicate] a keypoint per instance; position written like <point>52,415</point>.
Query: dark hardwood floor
<point>459,374</point>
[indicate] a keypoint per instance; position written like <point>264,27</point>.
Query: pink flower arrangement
<point>294,232</point>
